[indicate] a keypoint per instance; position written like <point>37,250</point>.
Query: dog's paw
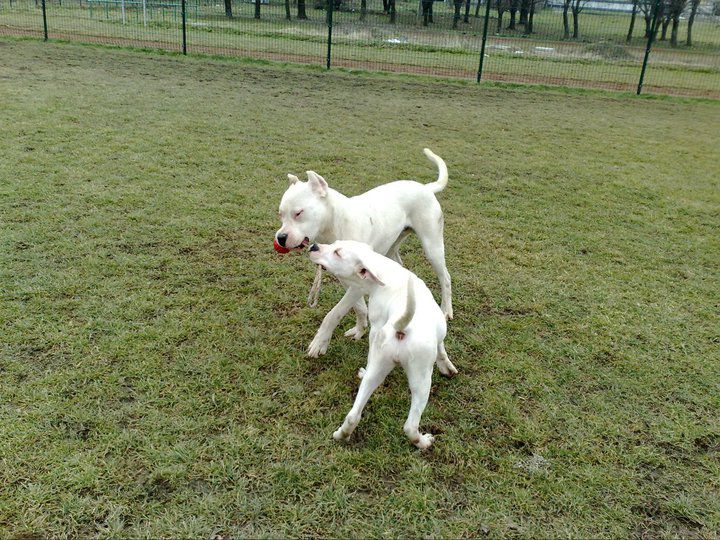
<point>448,311</point>
<point>340,436</point>
<point>317,347</point>
<point>447,369</point>
<point>361,373</point>
<point>425,441</point>
<point>356,332</point>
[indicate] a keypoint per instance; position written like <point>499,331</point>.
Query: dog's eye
<point>297,214</point>
<point>337,253</point>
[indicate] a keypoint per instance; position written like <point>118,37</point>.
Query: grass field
<point>600,58</point>
<point>153,381</point>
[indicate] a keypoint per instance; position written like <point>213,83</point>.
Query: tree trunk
<point>691,20</point>
<point>576,23</point>
<point>391,7</point>
<point>287,10</point>
<point>466,19</point>
<point>648,22</point>
<point>477,9</point>
<point>566,23</point>
<point>301,10</point>
<point>665,24</point>
<point>363,9</point>
<point>228,9</point>
<point>632,21</point>
<point>456,15</point>
<point>674,31</point>
<point>524,9</point>
<point>531,16</point>
<point>500,15</point>
<point>513,12</point>
<point>386,6</point>
<point>257,9</point>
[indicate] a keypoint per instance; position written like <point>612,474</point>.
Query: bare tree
<point>287,10</point>
<point>693,11</point>
<point>457,4</point>
<point>566,23</point>
<point>647,8</point>
<point>228,9</point>
<point>531,15</point>
<point>632,21</point>
<point>675,8</point>
<point>257,9</point>
<point>514,5</point>
<point>466,18</point>
<point>577,7</point>
<point>524,11</point>
<point>301,10</point>
<point>502,6</point>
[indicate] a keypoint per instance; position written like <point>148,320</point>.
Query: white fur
<point>407,327</point>
<point>313,212</point>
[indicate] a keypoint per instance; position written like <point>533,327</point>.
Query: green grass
<point>541,58</point>
<point>152,373</point>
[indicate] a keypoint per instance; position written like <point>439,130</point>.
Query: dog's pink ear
<point>317,183</point>
<point>364,273</point>
<point>293,179</point>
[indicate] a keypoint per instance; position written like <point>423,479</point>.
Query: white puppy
<point>382,217</point>
<point>407,327</point>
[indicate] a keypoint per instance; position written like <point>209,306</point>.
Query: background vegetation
<point>566,43</point>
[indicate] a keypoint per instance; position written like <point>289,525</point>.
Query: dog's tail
<point>442,180</point>
<point>406,317</point>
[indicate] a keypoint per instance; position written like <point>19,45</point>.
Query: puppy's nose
<point>281,238</point>
<point>314,247</point>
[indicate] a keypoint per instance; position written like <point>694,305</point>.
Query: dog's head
<point>348,260</point>
<point>304,211</point>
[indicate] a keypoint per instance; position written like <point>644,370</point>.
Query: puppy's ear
<point>293,179</point>
<point>364,272</point>
<point>317,183</point>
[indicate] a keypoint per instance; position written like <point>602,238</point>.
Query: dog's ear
<point>317,183</point>
<point>293,179</point>
<point>364,272</point>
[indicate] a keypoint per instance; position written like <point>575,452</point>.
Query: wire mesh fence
<point>581,43</point>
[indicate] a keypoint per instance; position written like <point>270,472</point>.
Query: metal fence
<point>580,43</point>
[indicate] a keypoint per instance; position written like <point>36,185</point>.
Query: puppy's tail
<point>442,180</point>
<point>406,317</point>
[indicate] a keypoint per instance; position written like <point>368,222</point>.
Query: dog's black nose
<point>281,238</point>
<point>314,247</point>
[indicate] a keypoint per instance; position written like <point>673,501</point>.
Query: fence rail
<point>659,46</point>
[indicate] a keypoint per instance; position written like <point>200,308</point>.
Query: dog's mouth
<point>302,245</point>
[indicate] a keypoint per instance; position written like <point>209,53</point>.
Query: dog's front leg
<point>320,342</point>
<point>361,313</point>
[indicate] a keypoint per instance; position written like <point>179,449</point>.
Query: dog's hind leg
<point>361,313</point>
<point>375,373</point>
<point>394,251</point>
<point>419,379</point>
<point>431,237</point>
<point>444,364</point>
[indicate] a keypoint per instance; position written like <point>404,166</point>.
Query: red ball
<point>279,248</point>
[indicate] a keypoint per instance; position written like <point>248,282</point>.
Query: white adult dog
<point>382,217</point>
<point>407,328</point>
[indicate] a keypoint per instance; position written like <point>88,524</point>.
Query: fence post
<point>330,24</point>
<point>651,38</point>
<point>45,32</point>
<point>184,32</point>
<point>484,39</point>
